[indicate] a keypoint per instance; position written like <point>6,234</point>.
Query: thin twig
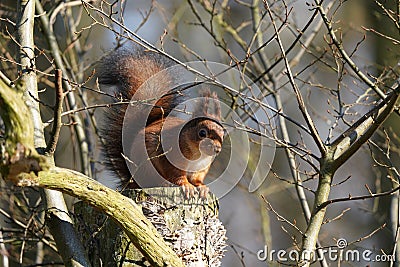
<point>345,56</point>
<point>302,106</point>
<point>351,198</point>
<point>55,132</point>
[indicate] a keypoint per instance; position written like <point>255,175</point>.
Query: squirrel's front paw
<point>203,190</point>
<point>188,190</point>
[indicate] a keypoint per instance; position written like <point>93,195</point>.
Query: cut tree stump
<point>190,226</point>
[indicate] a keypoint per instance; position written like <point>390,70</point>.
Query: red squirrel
<point>184,163</point>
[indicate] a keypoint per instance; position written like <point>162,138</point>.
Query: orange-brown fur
<point>127,71</point>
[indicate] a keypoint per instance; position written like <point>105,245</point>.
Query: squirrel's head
<point>203,134</point>
<point>201,137</point>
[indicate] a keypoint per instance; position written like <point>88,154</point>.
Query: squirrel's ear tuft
<point>208,105</point>
<point>217,105</point>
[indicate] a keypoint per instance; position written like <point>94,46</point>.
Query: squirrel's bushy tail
<point>121,73</point>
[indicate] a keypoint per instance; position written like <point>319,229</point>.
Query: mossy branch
<point>353,138</point>
<point>123,210</point>
<point>19,153</point>
<point>15,115</point>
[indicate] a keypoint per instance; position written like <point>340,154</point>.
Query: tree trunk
<point>190,226</point>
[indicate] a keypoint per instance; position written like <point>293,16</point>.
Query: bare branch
<point>351,198</point>
<point>78,126</point>
<point>344,54</point>
<point>352,139</point>
<point>300,101</point>
<point>55,132</point>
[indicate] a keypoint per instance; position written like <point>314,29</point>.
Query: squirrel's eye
<point>203,133</point>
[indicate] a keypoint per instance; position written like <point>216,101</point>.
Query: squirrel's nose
<point>217,149</point>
